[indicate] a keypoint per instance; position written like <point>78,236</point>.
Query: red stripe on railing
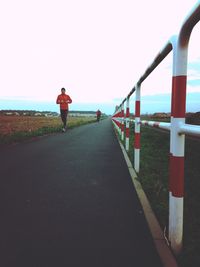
<point>127,112</point>
<point>156,124</point>
<point>127,133</point>
<point>179,96</point>
<point>117,122</point>
<point>176,179</point>
<point>137,108</point>
<point>122,124</point>
<point>137,141</point>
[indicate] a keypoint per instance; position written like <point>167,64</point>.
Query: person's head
<point>63,90</point>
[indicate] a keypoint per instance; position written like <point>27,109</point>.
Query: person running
<point>98,113</point>
<point>63,100</point>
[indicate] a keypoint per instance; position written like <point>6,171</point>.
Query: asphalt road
<point>68,200</point>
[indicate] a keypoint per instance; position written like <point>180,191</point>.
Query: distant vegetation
<point>73,113</point>
<point>28,113</point>
<point>193,118</point>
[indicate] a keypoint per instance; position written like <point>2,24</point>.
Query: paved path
<point>68,200</point>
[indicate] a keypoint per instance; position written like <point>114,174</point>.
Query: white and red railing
<point>177,127</point>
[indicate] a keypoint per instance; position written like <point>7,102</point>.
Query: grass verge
<point>16,136</point>
<point>154,179</point>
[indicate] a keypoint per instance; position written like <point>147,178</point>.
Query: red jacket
<point>98,113</point>
<point>63,100</point>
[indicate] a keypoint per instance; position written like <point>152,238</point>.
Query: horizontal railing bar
<point>159,58</point>
<point>157,124</point>
<point>188,24</point>
<point>189,129</point>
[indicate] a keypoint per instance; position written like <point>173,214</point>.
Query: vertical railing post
<point>137,130</point>
<point>122,121</point>
<point>120,125</point>
<point>119,121</point>
<point>177,140</point>
<point>127,124</point>
<point>177,143</point>
<point>114,117</point>
<point>116,120</point>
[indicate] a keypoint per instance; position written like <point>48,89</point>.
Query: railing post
<point>177,144</point>
<point>118,121</point>
<point>127,124</point>
<point>122,121</point>
<point>137,130</point>
<point>114,119</point>
<point>179,44</point>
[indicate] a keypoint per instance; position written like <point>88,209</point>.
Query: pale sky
<point>96,49</point>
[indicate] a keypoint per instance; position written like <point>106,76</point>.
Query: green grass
<point>24,135</point>
<point>154,179</point>
<point>21,136</point>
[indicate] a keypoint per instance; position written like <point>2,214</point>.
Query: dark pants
<point>98,118</point>
<point>63,114</point>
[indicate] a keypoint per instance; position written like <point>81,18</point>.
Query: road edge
<point>166,256</point>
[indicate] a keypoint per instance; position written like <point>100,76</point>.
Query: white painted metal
<point>176,233</point>
<point>122,122</point>
<point>120,130</point>
<point>189,129</point>
<point>127,124</point>
<point>177,127</point>
<point>162,125</point>
<point>137,131</point>
<point>137,124</point>
<point>137,160</point>
<point>178,141</point>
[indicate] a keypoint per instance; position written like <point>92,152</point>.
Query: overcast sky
<point>96,49</point>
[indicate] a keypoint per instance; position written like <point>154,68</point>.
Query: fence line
<point>177,127</point>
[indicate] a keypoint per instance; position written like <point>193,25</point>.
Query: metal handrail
<point>178,44</point>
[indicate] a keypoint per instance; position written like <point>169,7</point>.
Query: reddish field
<point>13,124</point>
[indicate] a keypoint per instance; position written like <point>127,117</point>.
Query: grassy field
<point>19,128</point>
<point>154,178</point>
